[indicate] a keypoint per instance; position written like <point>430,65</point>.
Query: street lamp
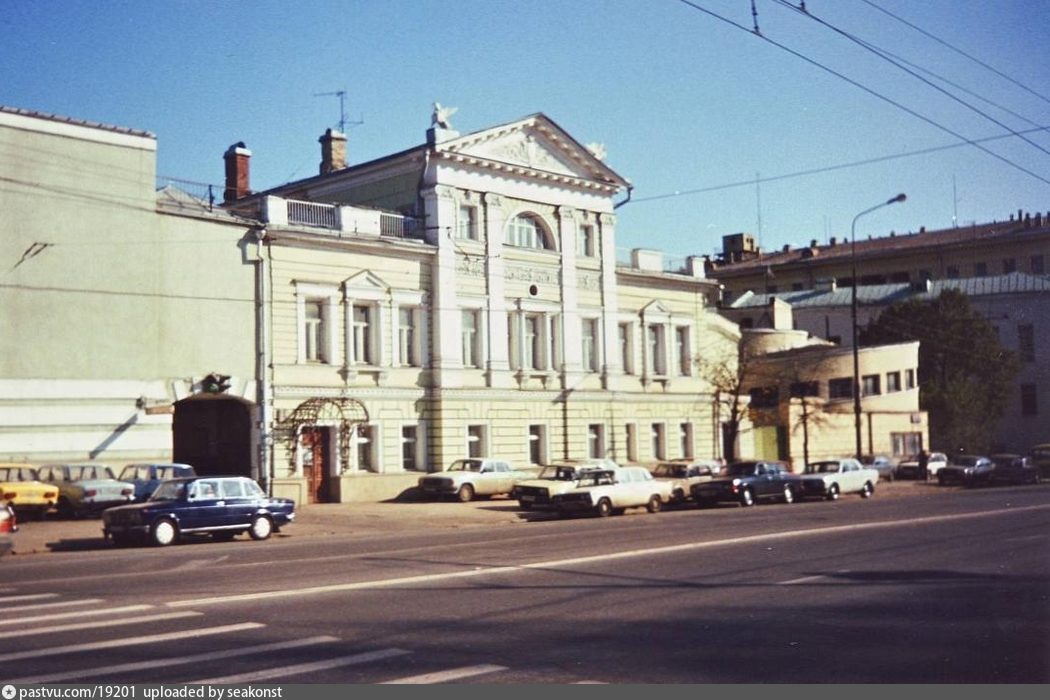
<point>853,317</point>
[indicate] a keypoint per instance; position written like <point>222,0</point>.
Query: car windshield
<point>742,469</point>
<point>965,461</point>
<point>1006,460</point>
<point>559,473</point>
<point>676,471</point>
<point>466,465</point>
<point>170,491</point>
<point>822,468</point>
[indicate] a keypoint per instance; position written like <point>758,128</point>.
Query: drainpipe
<point>630,189</point>
<point>262,359</point>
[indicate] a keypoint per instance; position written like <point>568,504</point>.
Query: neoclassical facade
<point>465,297</point>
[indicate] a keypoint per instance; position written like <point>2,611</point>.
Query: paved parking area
<point>361,519</point>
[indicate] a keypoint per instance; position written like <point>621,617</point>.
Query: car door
<point>204,506</point>
<point>766,481</point>
<point>238,504</point>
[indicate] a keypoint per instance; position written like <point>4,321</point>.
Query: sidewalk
<point>360,519</point>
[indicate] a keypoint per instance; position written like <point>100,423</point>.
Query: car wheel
<point>747,498</point>
<point>465,493</point>
<point>789,495</point>
<point>833,492</point>
<point>164,532</point>
<point>261,527</point>
<point>604,508</point>
<point>654,504</point>
<point>867,491</point>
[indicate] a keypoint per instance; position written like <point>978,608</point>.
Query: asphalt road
<point>947,587</point>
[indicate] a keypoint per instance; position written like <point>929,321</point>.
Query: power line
<point>865,88</point>
<point>884,56</point>
<point>831,168</point>
<point>957,50</point>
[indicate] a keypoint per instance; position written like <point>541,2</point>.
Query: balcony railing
<point>342,219</point>
<point>312,214</point>
<point>202,193</point>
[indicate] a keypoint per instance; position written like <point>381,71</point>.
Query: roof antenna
<point>754,15</point>
<point>342,109</point>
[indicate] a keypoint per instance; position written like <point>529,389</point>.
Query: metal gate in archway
<point>306,428</point>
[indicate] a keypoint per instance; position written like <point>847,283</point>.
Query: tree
<point>729,371</point>
<point>965,374</point>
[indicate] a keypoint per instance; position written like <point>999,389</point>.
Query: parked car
<point>1013,469</point>
<point>909,467</point>
<point>749,482</point>
<point>467,478</point>
<point>681,474</point>
<point>30,497</point>
<point>1040,456</point>
<point>885,465</point>
<point>607,491</point>
<point>146,476</point>
<point>968,470</point>
<point>85,488</point>
<point>559,477</point>
<point>8,525</point>
<point>220,506</point>
<point>829,478</point>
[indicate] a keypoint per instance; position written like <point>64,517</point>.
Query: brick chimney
<point>237,183</point>
<point>333,151</point>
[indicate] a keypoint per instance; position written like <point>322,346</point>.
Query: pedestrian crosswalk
<point>48,638</point>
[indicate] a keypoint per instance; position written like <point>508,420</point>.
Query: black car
<point>749,482</point>
<point>220,506</point>
<point>1013,469</point>
<point>968,470</point>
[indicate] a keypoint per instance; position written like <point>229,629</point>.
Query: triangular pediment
<point>366,280</point>
<point>656,308</point>
<point>536,144</point>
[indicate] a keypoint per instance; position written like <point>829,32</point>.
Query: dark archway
<point>213,432</point>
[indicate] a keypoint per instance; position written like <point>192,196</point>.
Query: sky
<point>786,134</point>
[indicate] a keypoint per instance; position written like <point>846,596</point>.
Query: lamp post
<point>853,318</point>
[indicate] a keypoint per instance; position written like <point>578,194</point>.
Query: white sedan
<point>605,492</point>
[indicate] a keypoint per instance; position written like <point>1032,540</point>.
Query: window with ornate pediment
<point>525,231</point>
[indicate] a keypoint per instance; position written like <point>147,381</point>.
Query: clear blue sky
<point>682,101</point>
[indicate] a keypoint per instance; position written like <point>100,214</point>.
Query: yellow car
<point>29,497</point>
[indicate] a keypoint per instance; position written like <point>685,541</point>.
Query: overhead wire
<point>889,59</point>
<point>865,88</point>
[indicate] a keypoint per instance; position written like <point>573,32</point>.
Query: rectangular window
<point>537,444</point>
<point>1026,342</point>
<point>1038,266</point>
<point>893,382</point>
<point>952,272</point>
<point>870,385</point>
<point>685,360</point>
<point>408,347</point>
<point>476,441</point>
<point>840,388</point>
<point>314,331</point>
<point>467,225</point>
<point>631,433</point>
<point>409,444</point>
<point>532,345</point>
<point>980,269</point>
<point>626,348</point>
<point>585,241</point>
<point>685,440</point>
<point>658,443</point>
<point>363,448</point>
<point>909,379</point>
<point>596,440</point>
<point>590,344</point>
<point>803,389</point>
<point>1009,265</point>
<point>657,358</point>
<point>1029,400</point>
<point>471,338</point>
<point>362,334</point>
<point>765,397</point>
<point>906,444</point>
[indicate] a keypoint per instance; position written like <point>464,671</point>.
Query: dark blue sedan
<point>220,506</point>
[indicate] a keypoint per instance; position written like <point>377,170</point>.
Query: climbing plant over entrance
<point>344,413</point>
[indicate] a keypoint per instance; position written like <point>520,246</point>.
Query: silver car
<point>466,478</point>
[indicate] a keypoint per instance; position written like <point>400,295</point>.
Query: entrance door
<point>316,463</point>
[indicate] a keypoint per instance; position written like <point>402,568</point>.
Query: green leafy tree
<point>965,374</point>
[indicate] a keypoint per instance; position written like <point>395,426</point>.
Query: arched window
<point>525,231</point>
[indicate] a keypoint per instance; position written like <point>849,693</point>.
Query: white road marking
<point>299,669</point>
<point>445,676</point>
<point>45,606</point>
<point>98,624</point>
<point>66,615</point>
<point>34,596</point>
<point>173,661</point>
<point>476,571</point>
<point>130,641</point>
<point>804,579</point>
